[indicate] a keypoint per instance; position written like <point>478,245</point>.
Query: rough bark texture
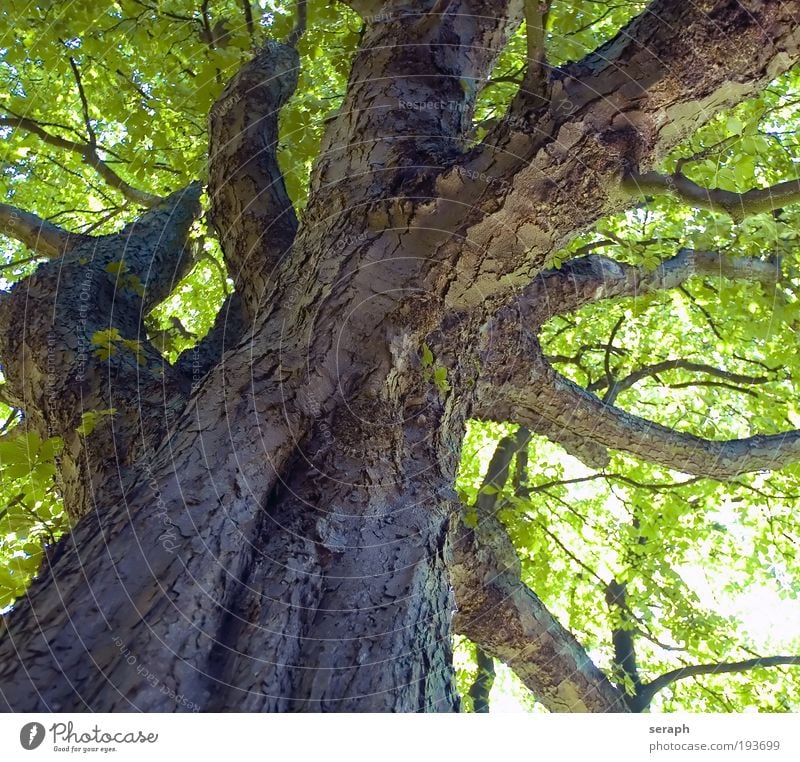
<point>271,527</point>
<point>250,206</point>
<point>56,370</point>
<point>549,170</point>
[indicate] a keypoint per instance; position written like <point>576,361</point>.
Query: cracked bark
<point>529,390</point>
<point>314,454</point>
<point>210,490</point>
<point>547,171</point>
<point>53,371</point>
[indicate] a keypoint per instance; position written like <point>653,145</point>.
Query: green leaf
<point>91,418</point>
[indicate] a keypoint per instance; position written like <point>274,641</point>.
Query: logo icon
<point>31,735</point>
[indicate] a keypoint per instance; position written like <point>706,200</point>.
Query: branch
<point>300,24</point>
<point>508,621</point>
<point>111,281</point>
<point>250,208</point>
<point>736,205</point>
<point>482,686</point>
<point>168,258</point>
<point>616,387</point>
<point>34,127</point>
<point>248,19</point>
<point>588,452</point>
<point>89,155</point>
<point>520,477</point>
<point>519,383</point>
<point>534,82</point>
<point>497,611</point>
<point>680,65</point>
<point>209,32</point>
<point>84,103</point>
<point>545,173</point>
<point>570,407</point>
<point>592,278</point>
<point>143,198</point>
<point>40,236</point>
<point>649,690</point>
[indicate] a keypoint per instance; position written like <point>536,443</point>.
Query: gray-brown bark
<point>549,170</point>
<point>40,236</point>
<point>249,204</point>
<point>529,390</point>
<point>285,547</point>
<point>56,368</point>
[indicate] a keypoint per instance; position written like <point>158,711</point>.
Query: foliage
<point>695,554</point>
<point>31,516</point>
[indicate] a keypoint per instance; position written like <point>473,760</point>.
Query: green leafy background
<point>711,568</point>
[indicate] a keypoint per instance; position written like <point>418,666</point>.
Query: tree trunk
<point>264,525</point>
<point>282,549</point>
<point>346,605</point>
<point>279,545</point>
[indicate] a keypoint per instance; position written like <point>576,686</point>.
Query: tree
<point>252,399</point>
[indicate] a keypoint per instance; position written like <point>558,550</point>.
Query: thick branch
<point>507,620</point>
<point>737,205</point>
<point>40,236</point>
<point>539,391</point>
<point>648,691</point>
<point>90,303</point>
<point>680,64</point>
<point>589,279</point>
<point>427,99</point>
<point>549,171</point>
<point>88,153</point>
<point>164,230</point>
<point>529,390</point>
<point>250,207</point>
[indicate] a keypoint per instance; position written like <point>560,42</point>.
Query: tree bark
<point>58,368</point>
<point>265,526</point>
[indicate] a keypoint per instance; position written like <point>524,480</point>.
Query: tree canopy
<point>673,562</point>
